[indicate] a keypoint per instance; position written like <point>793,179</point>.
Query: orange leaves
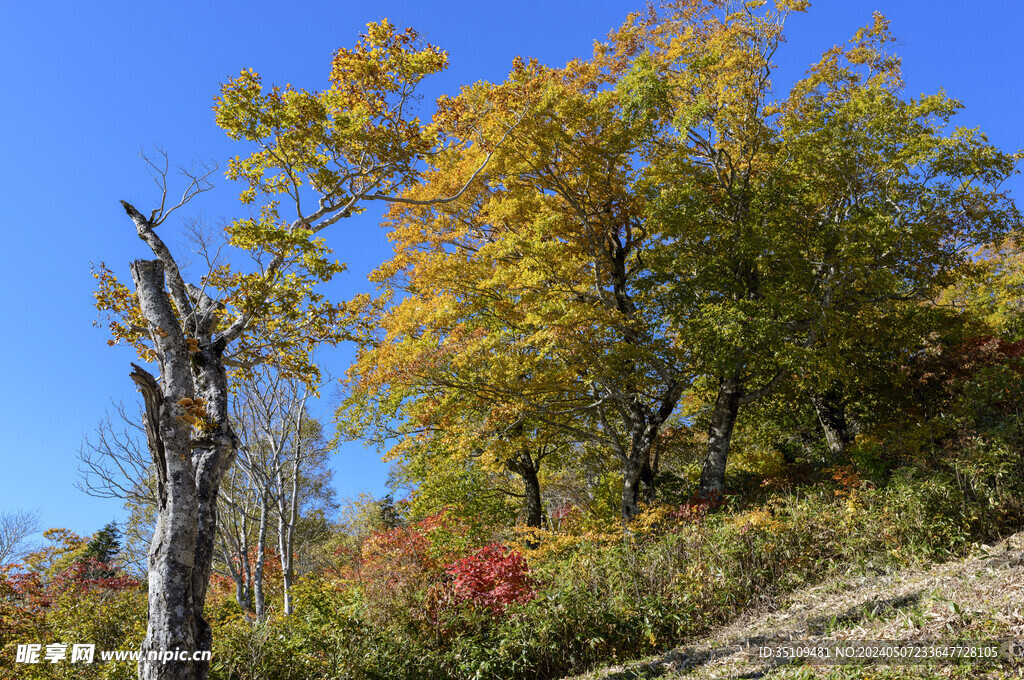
<point>195,413</point>
<point>383,59</point>
<point>120,307</point>
<point>356,136</point>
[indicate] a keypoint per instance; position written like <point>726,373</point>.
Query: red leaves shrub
<point>493,577</point>
<point>697,507</point>
<point>400,572</point>
<point>92,574</point>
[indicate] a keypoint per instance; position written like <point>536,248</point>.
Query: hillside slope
<point>980,597</point>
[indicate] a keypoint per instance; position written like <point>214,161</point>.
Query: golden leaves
<point>195,413</point>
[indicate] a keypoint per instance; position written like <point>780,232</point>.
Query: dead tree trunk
<point>192,446</point>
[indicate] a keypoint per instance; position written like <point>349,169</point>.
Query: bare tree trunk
<point>286,538</point>
<point>245,565</point>
<point>631,472</point>
<point>723,419</point>
<point>832,416</point>
<point>648,487</point>
<point>236,546</point>
<point>259,599</point>
<point>192,391</point>
<point>288,510</point>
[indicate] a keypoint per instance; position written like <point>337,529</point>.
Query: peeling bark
<point>189,472</point>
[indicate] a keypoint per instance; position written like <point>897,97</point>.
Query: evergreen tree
<point>101,551</point>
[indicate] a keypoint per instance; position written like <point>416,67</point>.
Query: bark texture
<point>527,466</point>
<point>191,443</point>
<point>723,419</point>
<point>831,411</point>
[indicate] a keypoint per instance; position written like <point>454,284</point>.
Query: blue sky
<point>89,84</point>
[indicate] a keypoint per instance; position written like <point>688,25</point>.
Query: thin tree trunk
<point>723,419</point>
<point>232,547</point>
<point>286,537</point>
<point>259,599</point>
<point>246,565</point>
<point>290,509</point>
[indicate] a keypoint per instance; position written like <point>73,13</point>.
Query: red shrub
<point>493,577</point>
<point>90,574</point>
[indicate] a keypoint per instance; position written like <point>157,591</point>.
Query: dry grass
<point>980,597</point>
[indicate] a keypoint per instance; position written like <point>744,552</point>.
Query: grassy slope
<point>980,597</point>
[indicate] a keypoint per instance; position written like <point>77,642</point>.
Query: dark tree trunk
<point>259,598</point>
<point>527,467</point>
<point>534,508</point>
<point>648,472</point>
<point>632,471</point>
<point>637,468</point>
<point>723,419</point>
<point>831,412</point>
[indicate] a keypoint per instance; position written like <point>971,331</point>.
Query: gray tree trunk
<point>288,509</point>
<point>259,599</point>
<point>723,419</point>
<point>189,468</point>
<point>287,517</point>
<point>631,469</point>
<point>286,544</point>
<point>637,467</point>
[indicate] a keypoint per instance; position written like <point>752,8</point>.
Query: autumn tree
<point>790,221</point>
<point>321,155</point>
<point>257,495</point>
<point>541,316</point>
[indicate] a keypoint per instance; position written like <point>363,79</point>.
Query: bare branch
<point>15,529</point>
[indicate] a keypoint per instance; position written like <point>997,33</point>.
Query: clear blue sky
<point>87,84</point>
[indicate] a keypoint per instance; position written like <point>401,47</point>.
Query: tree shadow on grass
<point>688,659</point>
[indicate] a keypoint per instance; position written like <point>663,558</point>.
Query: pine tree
<point>101,550</point>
